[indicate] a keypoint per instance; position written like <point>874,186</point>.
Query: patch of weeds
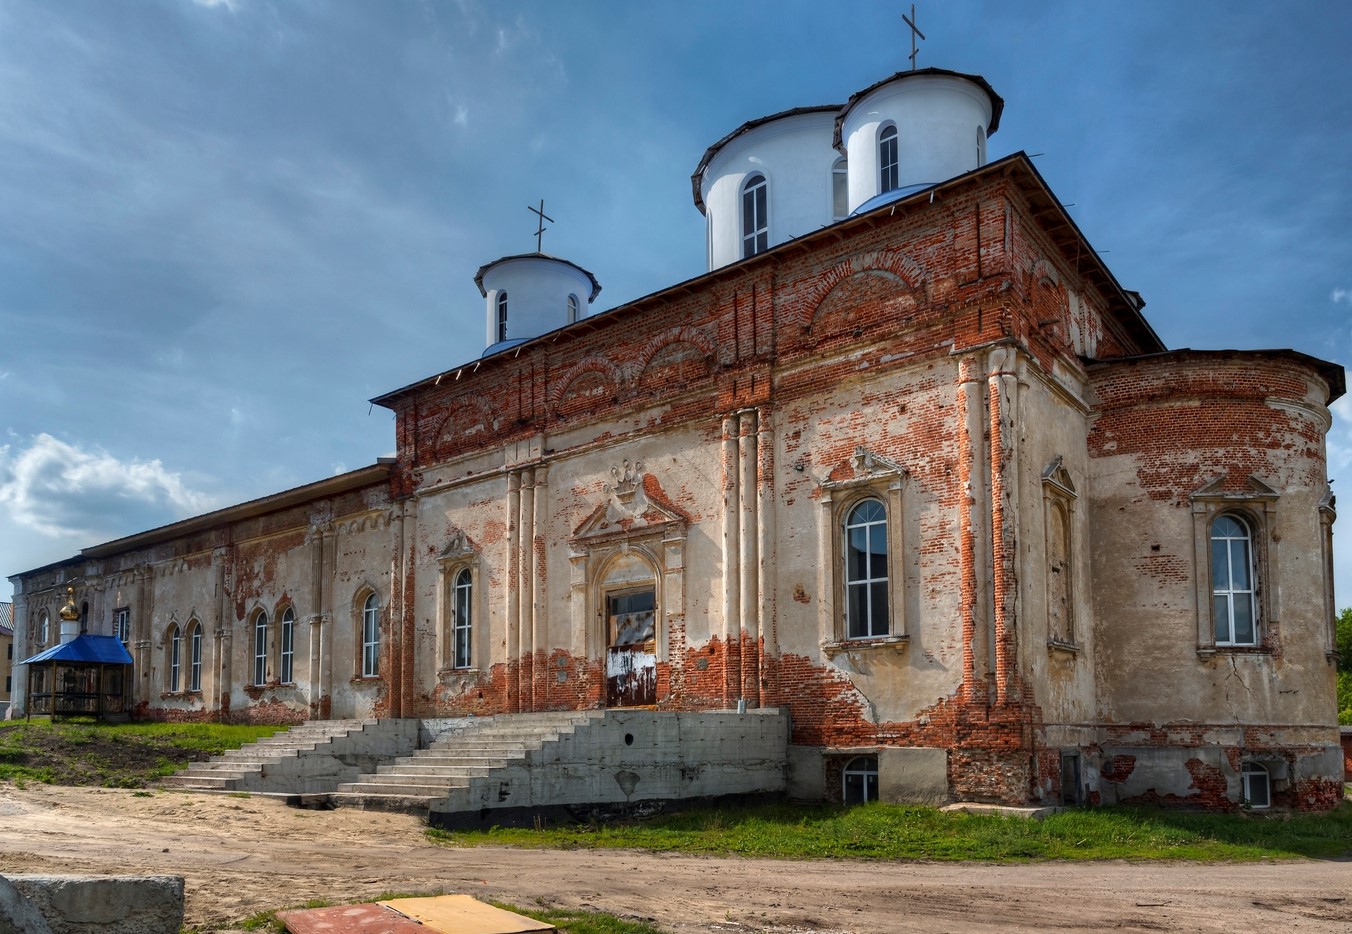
<point>143,794</point>
<point>239,794</point>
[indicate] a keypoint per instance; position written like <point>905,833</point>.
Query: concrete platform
<point>1003,810</point>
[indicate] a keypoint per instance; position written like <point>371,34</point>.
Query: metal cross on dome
<point>540,229</point>
<point>915,31</point>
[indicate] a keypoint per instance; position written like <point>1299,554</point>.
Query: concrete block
<point>17,914</point>
<point>807,774</point>
<point>105,904</point>
<point>913,775</point>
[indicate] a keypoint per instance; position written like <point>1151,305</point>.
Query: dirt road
<point>243,855</point>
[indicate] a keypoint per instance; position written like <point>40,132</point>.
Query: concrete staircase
<point>471,750</point>
<point>311,757</point>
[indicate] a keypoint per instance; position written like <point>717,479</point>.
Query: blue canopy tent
<point>86,676</point>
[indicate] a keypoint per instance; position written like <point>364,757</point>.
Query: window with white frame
<point>462,615</point>
<point>286,655</point>
<point>122,624</point>
<point>980,146</point>
<point>1257,785</point>
<point>840,190</point>
<point>859,780</point>
<point>1237,569</point>
<point>194,656</point>
<point>573,308</point>
<point>889,165</point>
<point>260,652</point>
<point>370,637</point>
<point>502,316</point>
<point>44,628</point>
<point>755,215</point>
<point>1234,609</point>
<point>866,571</point>
<point>861,555</point>
<point>174,650</point>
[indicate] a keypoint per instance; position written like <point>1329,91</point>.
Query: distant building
<point>908,462</point>
<point>6,655</point>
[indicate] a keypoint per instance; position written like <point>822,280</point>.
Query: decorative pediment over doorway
<point>635,507</point>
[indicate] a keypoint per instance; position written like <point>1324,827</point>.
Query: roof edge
<point>479,276</point>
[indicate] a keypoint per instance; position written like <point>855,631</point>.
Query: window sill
<point>1206,651</point>
<point>365,679</point>
<point>833,649</point>
<point>1060,645</point>
<point>452,672</point>
<point>180,695</point>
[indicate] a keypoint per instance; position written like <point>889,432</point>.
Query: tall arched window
<point>370,637</point>
<point>866,562</point>
<point>175,652</point>
<point>840,190</point>
<point>194,656</point>
<point>755,216</point>
<point>260,666</point>
<point>286,655</point>
<point>573,308</point>
<point>1232,584</point>
<point>44,628</point>
<point>502,316</point>
<point>980,146</point>
<point>889,169</point>
<point>463,600</point>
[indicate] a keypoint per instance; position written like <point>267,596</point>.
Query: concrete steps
<point>308,758</point>
<point>473,751</point>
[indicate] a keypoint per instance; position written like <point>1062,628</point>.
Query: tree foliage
<point>1344,645</point>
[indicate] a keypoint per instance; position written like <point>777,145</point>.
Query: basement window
<point>1257,786</point>
<point>859,780</point>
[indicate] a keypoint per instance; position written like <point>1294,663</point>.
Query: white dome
<point>930,125</point>
<point>792,152</point>
<point>532,294</point>
<point>939,120</point>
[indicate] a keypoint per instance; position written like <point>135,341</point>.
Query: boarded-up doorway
<point>631,661</point>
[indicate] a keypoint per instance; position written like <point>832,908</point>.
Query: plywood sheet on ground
<point>349,919</point>
<point>464,914</point>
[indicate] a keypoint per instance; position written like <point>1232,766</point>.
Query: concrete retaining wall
<point>631,756</point>
<point>342,759</point>
<point>93,904</point>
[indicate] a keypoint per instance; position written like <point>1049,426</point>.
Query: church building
<point>906,463</point>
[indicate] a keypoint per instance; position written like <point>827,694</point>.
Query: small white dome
<point>532,294</point>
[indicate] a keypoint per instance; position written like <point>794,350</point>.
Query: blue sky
<point>226,224</point>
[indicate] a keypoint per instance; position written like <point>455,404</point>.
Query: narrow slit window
<point>195,658</point>
<point>370,638</point>
<point>502,316</point>
<point>755,216</point>
<point>287,655</point>
<point>889,167</point>
<point>260,669</point>
<point>463,603</point>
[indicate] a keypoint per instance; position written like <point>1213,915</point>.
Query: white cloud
<point>461,115</point>
<point>60,490</point>
<point>1341,295</point>
<point>231,5</point>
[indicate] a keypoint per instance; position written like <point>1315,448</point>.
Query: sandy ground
<point>243,855</point>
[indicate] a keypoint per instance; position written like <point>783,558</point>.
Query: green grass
<point>122,755</point>
<point>899,832</point>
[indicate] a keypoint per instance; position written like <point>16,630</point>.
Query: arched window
<point>859,780</point>
<point>573,308</point>
<point>755,216</point>
<point>194,656</point>
<point>287,654</point>
<point>260,666</point>
<point>174,649</point>
<point>889,170</point>
<point>1257,785</point>
<point>462,601</point>
<point>370,637</point>
<point>44,628</point>
<point>1232,582</point>
<point>865,552</point>
<point>980,146</point>
<point>502,316</point>
<point>840,190</point>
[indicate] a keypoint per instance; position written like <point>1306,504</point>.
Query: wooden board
<point>464,914</point>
